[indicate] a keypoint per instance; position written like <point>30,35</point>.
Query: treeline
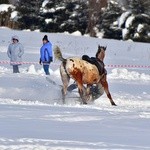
<point>110,19</point>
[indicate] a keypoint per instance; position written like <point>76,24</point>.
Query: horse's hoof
<point>84,103</point>
<point>113,104</point>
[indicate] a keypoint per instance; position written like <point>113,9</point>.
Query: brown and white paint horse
<point>84,73</point>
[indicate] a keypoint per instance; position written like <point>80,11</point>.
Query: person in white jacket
<point>15,52</point>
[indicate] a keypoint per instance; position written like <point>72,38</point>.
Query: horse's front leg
<point>106,89</point>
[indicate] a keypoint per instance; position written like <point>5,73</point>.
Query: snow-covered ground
<point>32,116</point>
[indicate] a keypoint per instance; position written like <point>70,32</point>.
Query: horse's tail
<point>58,54</point>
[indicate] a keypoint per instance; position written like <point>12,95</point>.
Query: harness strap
<point>64,65</point>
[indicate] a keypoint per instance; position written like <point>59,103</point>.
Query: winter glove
<point>51,59</point>
<point>40,62</point>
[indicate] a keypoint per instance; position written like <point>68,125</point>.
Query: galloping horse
<point>84,73</point>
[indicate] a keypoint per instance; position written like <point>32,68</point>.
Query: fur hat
<point>45,38</point>
<point>15,37</point>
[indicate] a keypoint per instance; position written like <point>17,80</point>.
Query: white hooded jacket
<point>15,52</point>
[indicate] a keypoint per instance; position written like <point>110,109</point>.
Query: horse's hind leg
<point>82,95</point>
<point>65,80</point>
<point>106,89</point>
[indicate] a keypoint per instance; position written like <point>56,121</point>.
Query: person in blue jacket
<point>46,55</point>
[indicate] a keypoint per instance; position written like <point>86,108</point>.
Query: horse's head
<point>101,52</point>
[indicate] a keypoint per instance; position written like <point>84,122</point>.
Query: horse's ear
<point>105,48</point>
<point>99,46</point>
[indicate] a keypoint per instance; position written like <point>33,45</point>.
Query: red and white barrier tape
<point>17,63</point>
<point>107,66</point>
<point>128,66</point>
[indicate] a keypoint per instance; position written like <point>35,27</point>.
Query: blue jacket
<point>46,55</point>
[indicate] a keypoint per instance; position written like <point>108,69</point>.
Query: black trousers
<point>15,69</point>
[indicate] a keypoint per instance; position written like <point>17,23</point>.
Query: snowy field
<point>32,116</point>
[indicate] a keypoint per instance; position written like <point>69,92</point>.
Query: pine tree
<point>52,14</point>
<point>29,14</point>
<point>4,1</point>
<point>5,15</point>
<point>93,16</point>
<point>139,29</point>
<point>77,16</point>
<point>140,6</point>
<point>108,26</point>
<point>60,16</point>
